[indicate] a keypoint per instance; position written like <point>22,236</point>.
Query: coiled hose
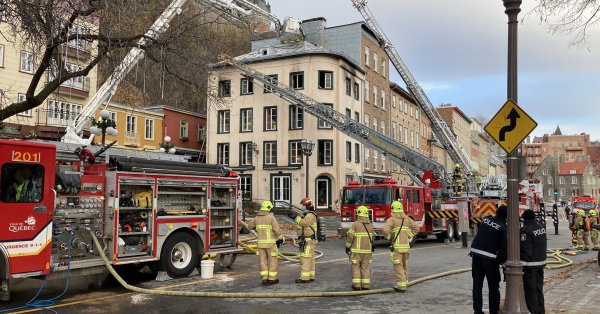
<point>255,294</point>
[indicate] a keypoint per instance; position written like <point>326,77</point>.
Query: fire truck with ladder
<point>146,208</point>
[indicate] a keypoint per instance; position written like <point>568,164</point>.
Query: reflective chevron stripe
<point>443,214</point>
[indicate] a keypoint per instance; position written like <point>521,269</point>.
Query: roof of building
<point>290,50</point>
<point>165,107</point>
<point>403,92</point>
<point>571,168</point>
<point>455,108</point>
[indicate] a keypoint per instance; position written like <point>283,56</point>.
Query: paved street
<point>446,295</point>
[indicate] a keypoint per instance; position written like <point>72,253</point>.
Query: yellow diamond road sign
<point>510,126</point>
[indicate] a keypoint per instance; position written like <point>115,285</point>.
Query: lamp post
<point>307,147</point>
<point>104,126</point>
<point>515,296</point>
<point>166,146</point>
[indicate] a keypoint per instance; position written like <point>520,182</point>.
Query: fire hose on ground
<point>257,294</point>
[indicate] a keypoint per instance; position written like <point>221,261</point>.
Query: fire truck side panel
<point>26,206</point>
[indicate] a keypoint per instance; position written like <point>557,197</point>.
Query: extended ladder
<point>413,162</point>
<point>443,133</point>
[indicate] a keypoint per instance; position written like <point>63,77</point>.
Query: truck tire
<point>179,255</point>
<point>456,232</point>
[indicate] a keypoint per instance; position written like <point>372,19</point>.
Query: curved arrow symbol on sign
<point>512,116</point>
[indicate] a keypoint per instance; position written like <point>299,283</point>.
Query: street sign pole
<point>515,297</point>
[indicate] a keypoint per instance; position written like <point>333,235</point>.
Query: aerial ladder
<point>237,10</point>
<point>107,90</point>
<point>443,133</point>
<point>413,162</point>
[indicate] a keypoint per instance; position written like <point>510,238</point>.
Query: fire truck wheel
<point>456,234</point>
<point>179,255</point>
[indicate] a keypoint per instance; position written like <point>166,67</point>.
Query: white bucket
<point>207,268</point>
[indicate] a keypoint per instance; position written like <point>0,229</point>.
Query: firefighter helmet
<point>362,211</point>
<point>457,165</point>
<point>582,212</point>
<point>306,201</point>
<point>593,213</point>
<point>397,207</point>
<point>266,206</point>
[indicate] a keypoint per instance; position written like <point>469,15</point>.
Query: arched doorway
<point>323,199</point>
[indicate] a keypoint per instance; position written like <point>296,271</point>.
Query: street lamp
<point>104,126</point>
<point>166,146</point>
<point>307,147</point>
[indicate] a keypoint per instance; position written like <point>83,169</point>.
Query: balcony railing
<point>55,117</point>
<point>132,139</point>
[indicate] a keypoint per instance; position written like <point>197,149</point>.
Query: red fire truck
<point>143,210</point>
<point>433,215</point>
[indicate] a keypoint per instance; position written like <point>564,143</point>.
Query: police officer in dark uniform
<point>488,251</point>
<point>533,254</point>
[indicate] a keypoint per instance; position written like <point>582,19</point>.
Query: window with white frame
<point>383,62</point>
<point>63,113</point>
<point>375,95</point>
<point>325,153</point>
<point>367,56</point>
<point>295,152</point>
<point>246,86</point>
<point>297,80</point>
<point>270,119</point>
<point>561,180</point>
<point>376,62</point>
<point>562,191</point>
<point>545,172</point>
<point>26,64</point>
<point>406,135</point>
<point>26,113</point>
<point>201,133</point>
<point>246,186</point>
<point>270,153</point>
<point>383,100</point>
<point>245,153</point>
<point>223,154</point>
<point>417,112</point>
<point>348,86</point>
<point>367,91</point>
<point>149,129</point>
<point>325,80</point>
<point>131,126</point>
<point>274,79</point>
<point>323,124</point>
<point>550,192</point>
<point>382,162</point>
<point>406,108</point>
<point>357,116</point>
<point>183,130</point>
<point>223,121</point>
<point>375,160</point>
<point>417,140</point>
<point>366,120</point>
<point>1,56</point>
<point>550,180</point>
<point>76,82</point>
<point>573,180</point>
<point>393,101</point>
<point>246,116</point>
<point>348,151</point>
<point>375,124</point>
<point>400,133</point>
<point>383,127</point>
<point>393,130</point>
<point>367,157</point>
<point>296,118</point>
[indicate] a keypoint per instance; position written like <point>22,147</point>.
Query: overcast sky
<point>457,50</point>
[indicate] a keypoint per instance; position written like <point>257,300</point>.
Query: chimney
<point>314,30</point>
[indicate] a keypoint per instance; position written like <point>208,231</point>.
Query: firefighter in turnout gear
<point>489,251</point>
<point>270,237</point>
<point>533,255</point>
<point>593,231</point>
<point>399,229</point>
<point>582,225</point>
<point>359,245</point>
<point>458,179</point>
<point>307,234</point>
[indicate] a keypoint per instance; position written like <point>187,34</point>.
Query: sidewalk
<point>579,292</point>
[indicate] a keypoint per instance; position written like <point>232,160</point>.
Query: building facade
<point>138,129</point>
<point>567,178</point>
<point>17,66</point>
<point>537,149</point>
<point>186,129</point>
<point>258,134</point>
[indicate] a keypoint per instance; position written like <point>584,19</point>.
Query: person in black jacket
<point>488,251</point>
<point>533,255</point>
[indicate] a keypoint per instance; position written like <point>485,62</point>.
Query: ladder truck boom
<point>443,133</point>
<point>413,162</point>
<point>109,87</point>
<point>236,9</point>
